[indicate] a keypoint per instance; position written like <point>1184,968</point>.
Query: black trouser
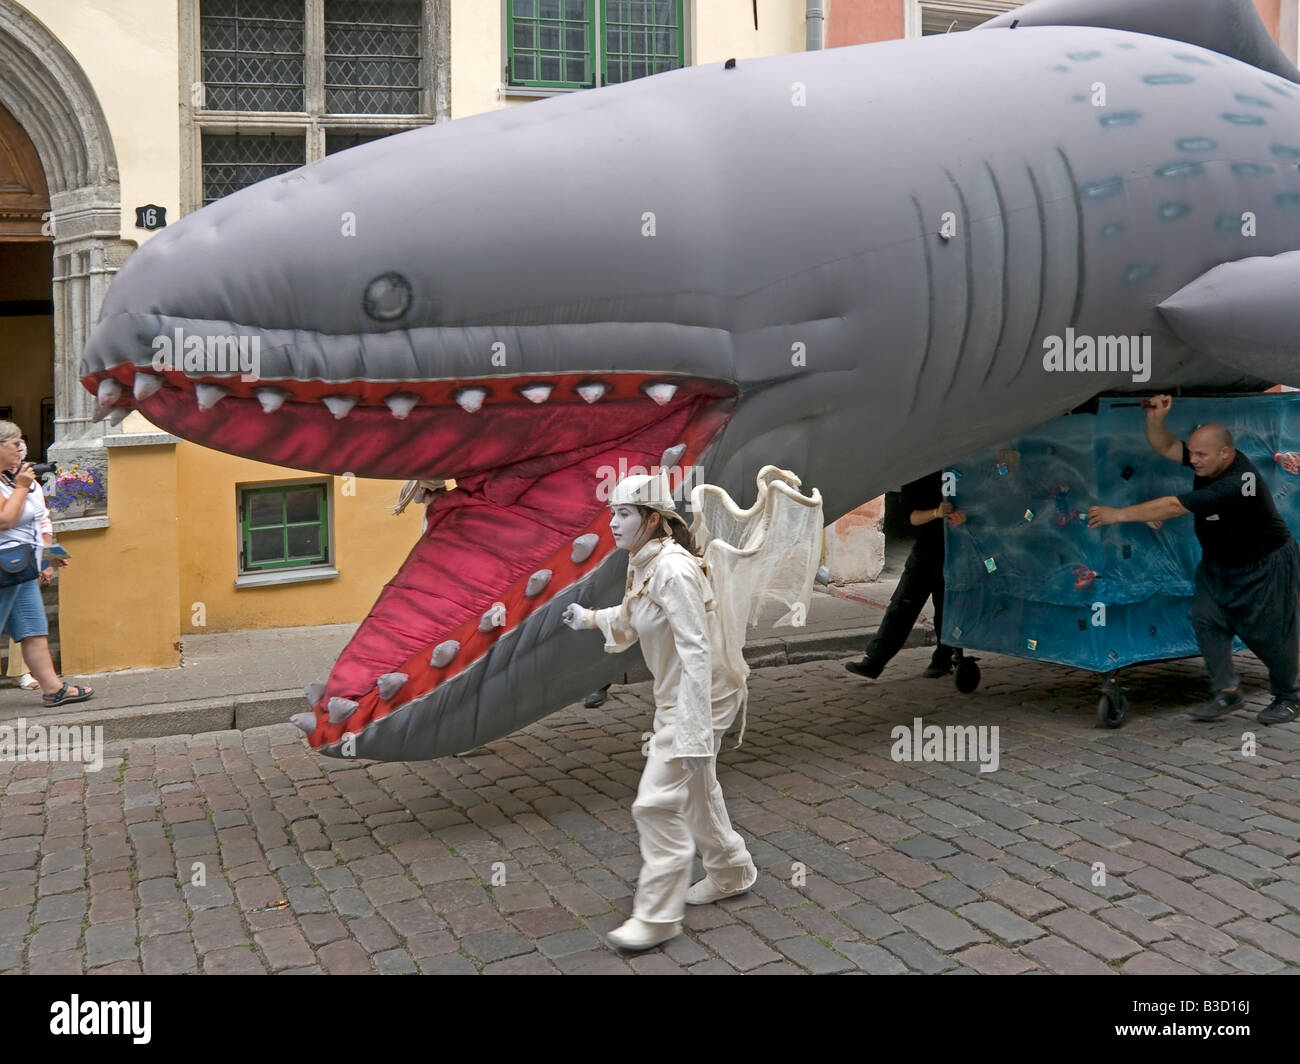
<point>922,579</point>
<point>1258,603</point>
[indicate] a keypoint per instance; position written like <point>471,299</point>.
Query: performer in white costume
<point>688,634</point>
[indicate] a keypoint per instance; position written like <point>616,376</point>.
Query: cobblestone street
<point>866,864</point>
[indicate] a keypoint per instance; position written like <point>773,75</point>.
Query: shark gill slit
<point>1006,278</point>
<point>1042,268</point>
<point>968,277</point>
<point>929,302</point>
<point>1078,237</point>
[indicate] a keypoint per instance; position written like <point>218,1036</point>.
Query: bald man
<point>1248,581</point>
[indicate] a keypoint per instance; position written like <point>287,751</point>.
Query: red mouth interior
<point>526,473</point>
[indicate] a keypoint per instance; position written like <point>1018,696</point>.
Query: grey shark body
<point>853,263</point>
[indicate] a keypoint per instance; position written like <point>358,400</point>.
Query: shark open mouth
<point>526,522</point>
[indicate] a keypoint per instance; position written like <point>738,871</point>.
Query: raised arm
<point>1162,441</point>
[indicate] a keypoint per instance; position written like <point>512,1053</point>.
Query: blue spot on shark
<point>1169,212</point>
<point>1288,201</point>
<point>1126,46</point>
<point>1168,79</point>
<point>1101,189</point>
<point>1250,169</point>
<point>1252,101</point>
<point>1183,169</point>
<point>1243,120</point>
<point>1112,228</point>
<point>1285,151</point>
<point>1082,57</point>
<point>1228,223</point>
<point>1061,69</point>
<point>1196,144</point>
<point>1120,118</point>
<point>1139,271</point>
<point>1198,60</point>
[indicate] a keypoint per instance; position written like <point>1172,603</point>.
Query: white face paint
<point>626,525</point>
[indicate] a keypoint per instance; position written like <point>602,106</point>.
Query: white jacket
<point>669,607</point>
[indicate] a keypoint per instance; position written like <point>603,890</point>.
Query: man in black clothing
<point>922,578</point>
<point>1248,582</point>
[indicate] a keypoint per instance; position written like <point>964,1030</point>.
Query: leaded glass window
<point>336,142</point>
<point>252,55</point>
<point>372,57</point>
<point>642,37</point>
<point>232,162</point>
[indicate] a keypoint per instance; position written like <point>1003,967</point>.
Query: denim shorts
<point>22,610</point>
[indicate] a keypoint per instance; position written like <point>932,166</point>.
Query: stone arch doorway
<point>49,100</point>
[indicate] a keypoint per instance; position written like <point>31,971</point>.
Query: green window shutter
<point>284,527</point>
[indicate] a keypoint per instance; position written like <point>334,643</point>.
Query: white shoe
<point>29,682</point>
<point>638,934</point>
<point>706,891</point>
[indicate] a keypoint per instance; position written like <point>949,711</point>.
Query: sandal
<point>29,682</point>
<point>63,696</point>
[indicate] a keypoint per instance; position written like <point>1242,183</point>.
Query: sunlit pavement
<point>1158,847</point>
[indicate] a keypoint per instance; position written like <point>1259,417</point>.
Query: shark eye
<point>387,297</point>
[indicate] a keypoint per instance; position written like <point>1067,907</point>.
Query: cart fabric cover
<point>1026,576</point>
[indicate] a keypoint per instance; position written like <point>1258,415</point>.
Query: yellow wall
<point>130,51</point>
<point>370,544</point>
<point>117,596</point>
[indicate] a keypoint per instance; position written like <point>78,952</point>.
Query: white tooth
<point>109,392</point>
<point>118,414</point>
<point>390,683</point>
<point>209,395</point>
<point>672,456</point>
<point>582,547</point>
<point>470,399</point>
<point>592,392</point>
<point>314,693</point>
<point>340,709</point>
<point>443,653</point>
<point>305,721</point>
<point>340,405</point>
<point>661,393</point>
<point>271,399</point>
<point>537,393</point>
<point>493,618</point>
<point>146,384</point>
<point>100,412</point>
<point>537,583</point>
<point>402,404</point>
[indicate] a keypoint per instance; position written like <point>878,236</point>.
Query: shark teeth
<point>582,548</point>
<point>495,617</point>
<point>470,399</point>
<point>390,683</point>
<point>314,692</point>
<point>443,653</point>
<point>209,395</point>
<point>661,393</point>
<point>305,721</point>
<point>340,709</point>
<point>271,399</point>
<point>118,414</point>
<point>110,391</point>
<point>592,392</point>
<point>340,405</point>
<point>402,404</point>
<point>145,385</point>
<point>537,583</point>
<point>537,393</point>
<point>672,456</point>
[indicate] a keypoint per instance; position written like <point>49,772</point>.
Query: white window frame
<point>913,9</point>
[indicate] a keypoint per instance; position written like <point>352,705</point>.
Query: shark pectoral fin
<point>1245,314</point>
<point>1229,27</point>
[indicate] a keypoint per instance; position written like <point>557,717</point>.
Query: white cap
<point>644,489</point>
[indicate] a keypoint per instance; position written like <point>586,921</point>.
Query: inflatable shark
<point>860,264</point>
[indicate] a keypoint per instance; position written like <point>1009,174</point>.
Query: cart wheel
<point>967,676</point>
<point>1112,707</point>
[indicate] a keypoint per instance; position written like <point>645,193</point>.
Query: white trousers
<point>676,812</point>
